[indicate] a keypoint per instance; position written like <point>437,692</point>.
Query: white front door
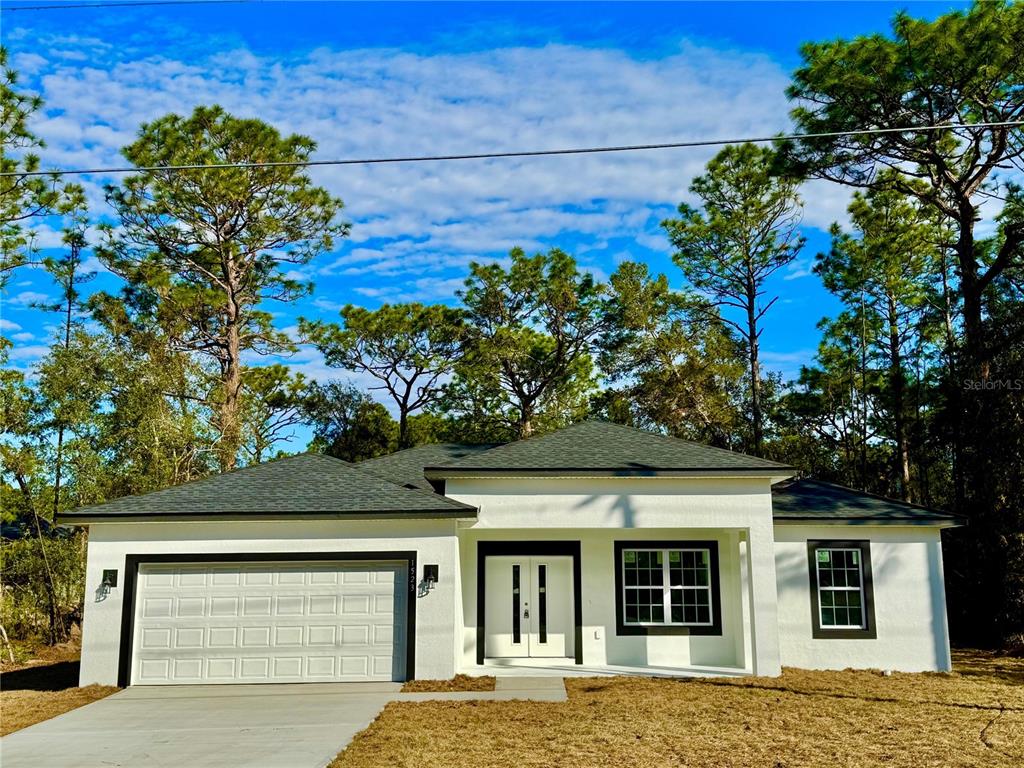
<point>269,622</point>
<point>529,607</point>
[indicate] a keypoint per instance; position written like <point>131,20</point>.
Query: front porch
<point>670,603</point>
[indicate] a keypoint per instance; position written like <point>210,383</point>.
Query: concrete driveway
<point>220,726</point>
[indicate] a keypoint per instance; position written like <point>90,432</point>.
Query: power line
<point>65,6</point>
<point>497,155</point>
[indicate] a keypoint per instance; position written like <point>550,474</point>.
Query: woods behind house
<point>916,390</point>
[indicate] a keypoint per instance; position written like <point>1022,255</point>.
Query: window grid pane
<point>840,588</point>
<point>671,586</point>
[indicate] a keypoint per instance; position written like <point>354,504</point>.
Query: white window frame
<point>667,587</point>
<point>860,588</point>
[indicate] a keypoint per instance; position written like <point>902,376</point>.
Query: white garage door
<point>281,622</point>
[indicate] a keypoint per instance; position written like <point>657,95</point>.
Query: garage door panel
<point>269,622</point>
<point>224,669</point>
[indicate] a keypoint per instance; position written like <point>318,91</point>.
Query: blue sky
<point>423,78</point>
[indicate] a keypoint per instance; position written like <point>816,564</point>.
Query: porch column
<point>763,599</point>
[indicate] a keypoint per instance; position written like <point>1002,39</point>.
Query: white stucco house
<point>595,548</point>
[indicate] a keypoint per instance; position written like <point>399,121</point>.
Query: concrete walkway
<point>227,726</point>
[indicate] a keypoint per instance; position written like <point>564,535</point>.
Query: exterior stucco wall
<point>597,512</point>
<point>909,598</point>
<point>434,541</point>
<point>601,644</point>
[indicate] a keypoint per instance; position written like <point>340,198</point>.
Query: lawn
<point>44,688</point>
<point>971,717</point>
<point>459,683</point>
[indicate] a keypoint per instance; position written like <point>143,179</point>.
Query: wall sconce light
<point>430,576</point>
<point>106,584</point>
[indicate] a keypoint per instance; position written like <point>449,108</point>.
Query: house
<point>596,547</point>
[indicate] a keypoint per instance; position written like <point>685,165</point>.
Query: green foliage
<point>347,424</point>
<point>885,273</point>
<point>24,603</point>
<point>531,331</point>
<point>273,402</point>
<point>963,69</point>
<point>675,364</point>
<point>26,198</point>
<point>747,231</point>
<point>409,348</point>
<point>202,251</point>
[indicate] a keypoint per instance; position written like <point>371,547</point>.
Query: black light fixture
<point>430,575</point>
<point>108,581</point>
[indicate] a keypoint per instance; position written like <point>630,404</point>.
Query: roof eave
<point>447,473</point>
<point>934,522</point>
<point>84,518</point>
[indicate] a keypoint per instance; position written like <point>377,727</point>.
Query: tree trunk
<point>987,547</point>
<point>756,418</point>
<point>897,382</point>
<point>58,462</point>
<point>57,630</point>
<point>975,347</point>
<point>525,425</point>
<point>69,298</point>
<point>7,644</point>
<point>404,438</point>
<point>863,396</point>
<point>230,429</point>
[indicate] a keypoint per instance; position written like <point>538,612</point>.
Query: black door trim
<point>131,572</point>
<point>485,549</point>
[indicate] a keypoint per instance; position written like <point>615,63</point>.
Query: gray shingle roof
<point>308,484</point>
<point>600,447</point>
<point>406,467</point>
<point>815,500</point>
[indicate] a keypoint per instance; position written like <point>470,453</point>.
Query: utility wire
<point>493,155</point>
<point>65,6</point>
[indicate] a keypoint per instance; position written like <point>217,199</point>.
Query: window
<point>667,587</point>
<point>842,604</point>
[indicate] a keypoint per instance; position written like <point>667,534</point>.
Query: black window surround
<point>485,549</point>
<point>131,573</point>
<point>622,628</point>
<point>818,632</point>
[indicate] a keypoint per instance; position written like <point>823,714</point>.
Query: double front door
<point>529,607</point>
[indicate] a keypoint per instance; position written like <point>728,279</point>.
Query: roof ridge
<point>422,446</point>
<point>673,438</point>
<point>336,469</point>
<point>670,441</point>
<point>226,473</point>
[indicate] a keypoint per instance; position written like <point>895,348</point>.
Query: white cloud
<point>28,63</point>
<point>24,298</point>
<point>418,221</point>
<point>327,305</point>
<point>28,352</point>
<point>799,268</point>
<point>7,325</point>
<point>23,336</point>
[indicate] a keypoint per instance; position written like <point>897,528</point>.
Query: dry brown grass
<point>972,717</point>
<point>43,688</point>
<point>20,709</point>
<point>457,683</point>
